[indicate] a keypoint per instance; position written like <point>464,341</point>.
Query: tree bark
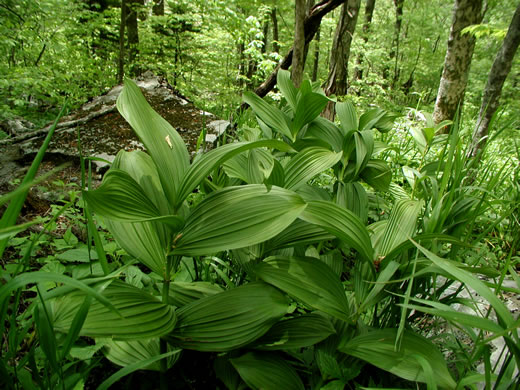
<point>298,63</point>
<point>458,59</point>
<point>312,22</point>
<point>397,38</point>
<point>316,64</point>
<point>133,32</point>
<point>158,7</point>
<point>369,13</point>
<point>276,45</point>
<point>497,76</point>
<point>338,67</point>
<point>121,60</point>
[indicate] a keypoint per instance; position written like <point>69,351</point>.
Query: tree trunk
<point>458,59</point>
<point>340,52</point>
<point>133,32</point>
<point>121,60</point>
<point>316,65</point>
<point>369,12</point>
<point>397,38</point>
<point>298,63</point>
<point>276,45</point>
<point>497,76</point>
<point>158,7</point>
<point>312,22</point>
<point>265,31</point>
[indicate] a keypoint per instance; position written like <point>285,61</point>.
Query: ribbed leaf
<point>341,222</point>
<point>377,174</point>
<point>378,349</point>
<point>309,106</point>
<point>347,116</point>
<point>201,168</point>
<point>286,87</point>
<point>142,315</point>
<point>266,371</point>
<point>297,233</point>
<point>252,167</point>
<point>228,320</point>
<point>307,164</point>
<point>353,196</point>
<point>370,119</point>
<point>309,280</point>
<point>121,199</point>
<point>141,240</point>
<point>298,332</point>
<point>270,115</point>
<point>236,217</point>
<point>161,140</point>
<point>400,226</point>
<point>125,353</point>
<point>182,293</point>
<point>325,130</point>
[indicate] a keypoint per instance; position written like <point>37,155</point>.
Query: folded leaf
<point>379,349</point>
<point>164,144</point>
<point>270,115</point>
<point>341,222</point>
<point>267,371</point>
<point>308,280</point>
<point>228,320</point>
<point>298,332</point>
<point>141,315</point>
<point>307,164</point>
<point>236,217</point>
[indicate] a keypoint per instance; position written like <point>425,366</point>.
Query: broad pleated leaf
<point>201,168</point>
<point>141,240</point>
<point>236,217</point>
<point>400,226</point>
<point>308,280</point>
<point>182,293</point>
<point>347,116</point>
<point>270,115</point>
<point>298,233</point>
<point>378,349</point>
<point>286,87</point>
<point>228,320</point>
<point>298,332</point>
<point>353,196</point>
<point>120,198</point>
<point>377,174</point>
<point>252,167</point>
<point>267,371</point>
<point>164,144</point>
<point>307,164</point>
<point>341,222</point>
<point>309,106</point>
<point>371,119</point>
<point>142,315</point>
<point>364,142</point>
<point>325,130</point>
<point>125,353</point>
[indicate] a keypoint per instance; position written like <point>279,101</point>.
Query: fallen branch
<point>59,126</point>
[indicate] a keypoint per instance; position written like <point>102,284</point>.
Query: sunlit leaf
<point>236,217</point>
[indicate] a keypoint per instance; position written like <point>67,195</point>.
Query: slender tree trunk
<point>158,7</point>
<point>298,63</point>
<point>121,61</point>
<point>369,12</point>
<point>316,65</point>
<point>458,59</point>
<point>276,45</point>
<point>241,64</point>
<point>265,31</point>
<point>338,67</point>
<point>497,76</point>
<point>397,38</point>
<point>133,33</point>
<point>312,22</point>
